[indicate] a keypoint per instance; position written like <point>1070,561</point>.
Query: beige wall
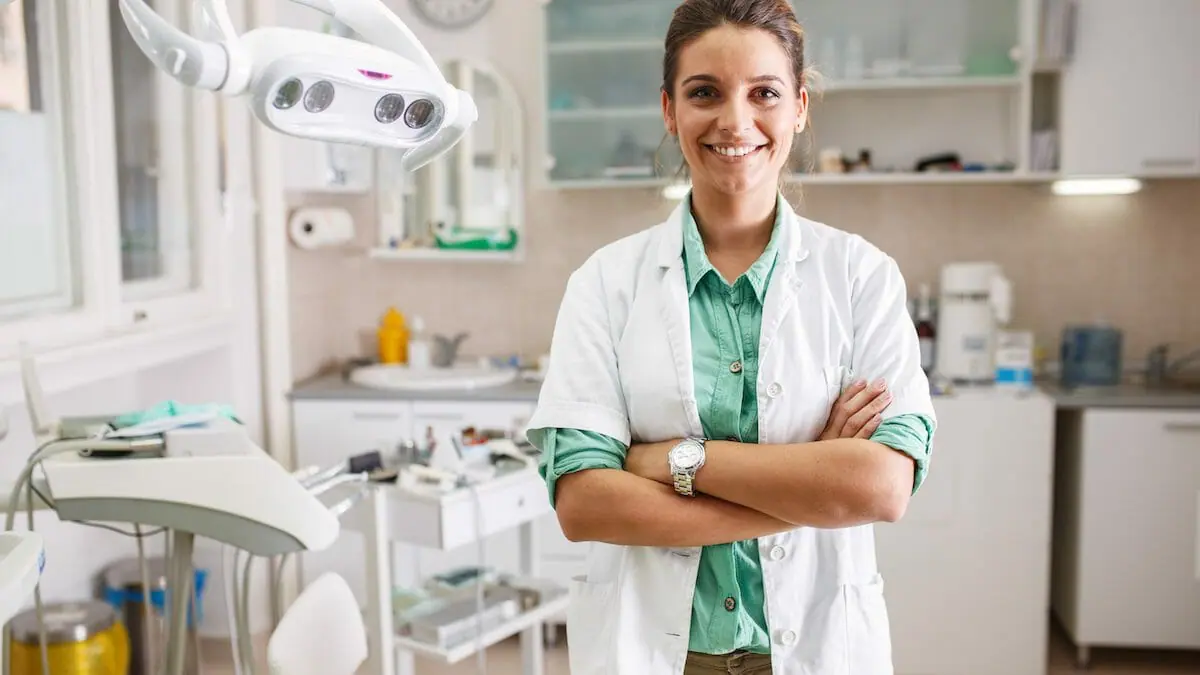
<point>1130,260</point>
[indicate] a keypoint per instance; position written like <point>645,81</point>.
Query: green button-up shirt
<point>728,606</point>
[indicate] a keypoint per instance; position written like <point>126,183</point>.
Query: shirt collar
<point>697,264</point>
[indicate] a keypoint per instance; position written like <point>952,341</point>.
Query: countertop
<point>335,387</point>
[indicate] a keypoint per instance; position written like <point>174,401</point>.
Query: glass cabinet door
<point>852,42</point>
<point>603,77</point>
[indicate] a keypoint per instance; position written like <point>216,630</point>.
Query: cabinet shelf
<point>880,178</point>
<point>924,83</point>
<point>594,46</point>
<point>444,255</point>
<point>517,624</point>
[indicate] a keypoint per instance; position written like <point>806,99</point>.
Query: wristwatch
<point>685,459</point>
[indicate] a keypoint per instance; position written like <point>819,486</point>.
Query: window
<point>38,262</point>
<point>110,190</point>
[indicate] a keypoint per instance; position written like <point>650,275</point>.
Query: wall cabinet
<point>1127,529</point>
<point>901,81</point>
<point>329,431</point>
<point>1130,96</point>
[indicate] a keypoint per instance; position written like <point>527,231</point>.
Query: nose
<point>736,116</point>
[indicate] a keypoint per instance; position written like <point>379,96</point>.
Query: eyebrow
<point>713,79</point>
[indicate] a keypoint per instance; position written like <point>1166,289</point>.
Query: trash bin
<point>123,590</point>
<point>82,638</point>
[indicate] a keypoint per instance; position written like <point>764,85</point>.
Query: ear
<point>802,110</point>
<point>668,111</point>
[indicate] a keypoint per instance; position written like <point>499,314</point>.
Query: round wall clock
<point>452,13</point>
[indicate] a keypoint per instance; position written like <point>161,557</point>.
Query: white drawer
<point>449,521</point>
<point>330,431</point>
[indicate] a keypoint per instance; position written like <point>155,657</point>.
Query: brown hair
<point>693,18</point>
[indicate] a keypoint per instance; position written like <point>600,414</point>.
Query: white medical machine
<point>22,558</point>
<point>975,302</point>
<point>386,92</point>
<point>203,478</point>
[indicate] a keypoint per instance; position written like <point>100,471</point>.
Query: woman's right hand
<point>858,411</point>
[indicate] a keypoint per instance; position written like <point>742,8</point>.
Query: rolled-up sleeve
<point>886,346</point>
<point>566,451</point>
<point>911,434</point>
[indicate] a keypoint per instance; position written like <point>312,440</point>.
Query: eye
<point>702,92</point>
<point>767,92</point>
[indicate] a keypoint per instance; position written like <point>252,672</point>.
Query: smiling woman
<point>706,419</point>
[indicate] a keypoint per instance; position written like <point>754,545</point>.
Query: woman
<point>685,421</point>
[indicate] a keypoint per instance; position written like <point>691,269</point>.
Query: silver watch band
<point>683,484</point>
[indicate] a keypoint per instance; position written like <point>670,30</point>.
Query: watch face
<point>452,13</point>
<point>687,455</point>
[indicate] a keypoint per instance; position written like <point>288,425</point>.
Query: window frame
<point>76,54</point>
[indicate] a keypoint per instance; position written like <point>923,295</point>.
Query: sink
<point>456,378</point>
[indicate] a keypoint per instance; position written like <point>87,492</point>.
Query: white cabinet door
<point>1128,572</point>
<point>1130,102</point>
<point>967,568</point>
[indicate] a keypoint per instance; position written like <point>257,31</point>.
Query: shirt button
<point>730,604</point>
<point>777,553</point>
<point>788,637</point>
<point>774,390</point>
<point>735,367</point>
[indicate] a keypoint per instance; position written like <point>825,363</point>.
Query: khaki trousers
<point>737,663</point>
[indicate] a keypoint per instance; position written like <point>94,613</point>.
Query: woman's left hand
<point>650,460</point>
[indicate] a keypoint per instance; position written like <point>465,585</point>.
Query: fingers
<point>843,409</point>
<point>870,427</point>
<point>873,407</point>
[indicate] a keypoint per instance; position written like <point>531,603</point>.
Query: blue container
<point>1090,356</point>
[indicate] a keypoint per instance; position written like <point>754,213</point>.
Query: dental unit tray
<point>22,558</point>
<point>386,92</point>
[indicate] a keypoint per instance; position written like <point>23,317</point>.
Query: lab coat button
<point>788,637</point>
<point>774,390</point>
<point>730,604</point>
<point>777,553</point>
<point>735,367</point>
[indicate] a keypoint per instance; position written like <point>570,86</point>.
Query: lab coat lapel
<point>673,303</point>
<point>786,282</point>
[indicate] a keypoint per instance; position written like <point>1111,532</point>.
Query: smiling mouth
<point>735,153</point>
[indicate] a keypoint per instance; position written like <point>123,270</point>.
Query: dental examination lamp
<point>386,92</point>
<point>190,477</point>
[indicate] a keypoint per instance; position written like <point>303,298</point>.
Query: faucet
<point>1160,369</point>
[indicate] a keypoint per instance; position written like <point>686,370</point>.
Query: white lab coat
<point>621,365</point>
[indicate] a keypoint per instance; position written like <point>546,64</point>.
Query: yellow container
<point>393,338</point>
<point>82,638</point>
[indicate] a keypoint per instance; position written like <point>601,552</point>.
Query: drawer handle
<point>1168,163</point>
<point>376,416</point>
<point>1183,427</point>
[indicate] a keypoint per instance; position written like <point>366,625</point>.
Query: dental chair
<point>322,633</point>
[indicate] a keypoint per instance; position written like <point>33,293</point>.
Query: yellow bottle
<point>393,338</point>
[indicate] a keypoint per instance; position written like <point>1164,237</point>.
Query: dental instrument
<point>209,480</point>
<point>386,92</point>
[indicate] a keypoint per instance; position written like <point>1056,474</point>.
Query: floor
<point>504,659</point>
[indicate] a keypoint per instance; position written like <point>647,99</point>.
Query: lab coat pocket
<point>868,631</point>
<point>590,619</point>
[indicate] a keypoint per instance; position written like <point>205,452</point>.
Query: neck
<point>730,223</point>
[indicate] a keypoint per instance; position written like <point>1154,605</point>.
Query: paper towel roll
<point>318,227</point>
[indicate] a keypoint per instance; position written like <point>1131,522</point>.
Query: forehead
<point>732,54</point>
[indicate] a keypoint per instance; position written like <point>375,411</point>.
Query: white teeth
<point>735,151</point>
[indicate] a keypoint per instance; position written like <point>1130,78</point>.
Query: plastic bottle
<point>393,338</point>
<point>926,333</point>
<point>420,353</point>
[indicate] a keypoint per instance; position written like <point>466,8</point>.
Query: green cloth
<point>725,326</point>
<point>171,409</point>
